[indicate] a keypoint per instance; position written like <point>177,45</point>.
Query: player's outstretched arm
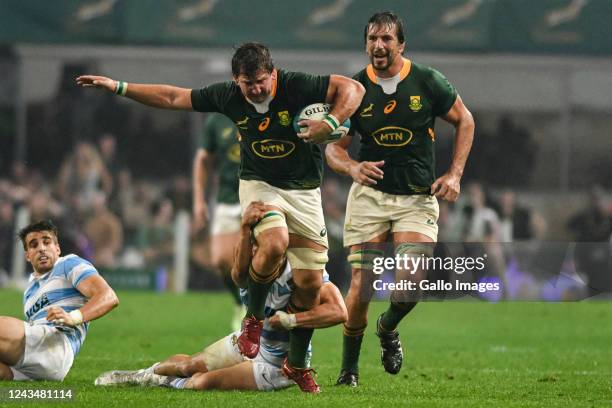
<point>330,312</point>
<point>200,180</point>
<point>366,173</point>
<point>244,248</point>
<point>447,187</point>
<point>158,96</point>
<point>101,300</point>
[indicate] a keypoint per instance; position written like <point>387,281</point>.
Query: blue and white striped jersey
<point>274,344</point>
<point>58,288</point>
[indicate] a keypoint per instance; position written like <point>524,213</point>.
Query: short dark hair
<point>45,225</point>
<point>250,58</point>
<point>387,18</point>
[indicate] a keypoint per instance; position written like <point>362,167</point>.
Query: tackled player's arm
<point>330,312</point>
<point>158,96</point>
<point>244,248</point>
<point>447,186</point>
<point>242,257</point>
<point>345,95</point>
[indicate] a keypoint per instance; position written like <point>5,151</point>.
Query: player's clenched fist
<point>367,173</point>
<point>253,214</point>
<point>447,187</point>
<point>97,81</point>
<point>58,315</point>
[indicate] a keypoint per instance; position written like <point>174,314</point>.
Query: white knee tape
<point>307,258</point>
<point>271,219</point>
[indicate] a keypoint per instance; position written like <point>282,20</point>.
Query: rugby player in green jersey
<point>277,167</point>
<point>219,144</point>
<point>394,194</point>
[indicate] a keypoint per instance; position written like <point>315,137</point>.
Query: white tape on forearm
<point>289,321</point>
<point>76,316</point>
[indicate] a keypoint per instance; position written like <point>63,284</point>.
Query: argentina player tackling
<point>221,366</point>
<point>63,295</point>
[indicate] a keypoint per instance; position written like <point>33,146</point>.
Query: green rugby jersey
<point>399,128</point>
<point>220,137</point>
<point>270,150</point>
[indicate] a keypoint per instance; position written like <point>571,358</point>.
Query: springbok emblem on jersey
<point>415,103</point>
<point>284,118</point>
<point>242,124</point>
<point>367,112</point>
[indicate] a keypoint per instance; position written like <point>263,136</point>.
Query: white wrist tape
<point>76,316</point>
<point>288,321</point>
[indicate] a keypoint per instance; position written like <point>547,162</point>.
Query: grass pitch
<point>465,353</point>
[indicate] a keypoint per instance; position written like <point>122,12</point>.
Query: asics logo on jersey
<point>272,149</point>
<point>367,112</point>
<point>392,136</point>
<point>264,124</point>
<point>38,306</point>
<point>390,107</point>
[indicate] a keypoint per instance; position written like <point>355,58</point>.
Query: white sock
<point>178,383</point>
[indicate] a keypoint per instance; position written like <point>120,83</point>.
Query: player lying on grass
<point>63,295</point>
<point>220,366</point>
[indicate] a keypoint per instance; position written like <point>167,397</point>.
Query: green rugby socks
<point>351,347</point>
<point>394,314</point>
<point>299,341</point>
<point>258,287</point>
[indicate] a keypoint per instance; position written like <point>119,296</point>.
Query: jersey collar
<point>404,72</point>
<point>270,97</point>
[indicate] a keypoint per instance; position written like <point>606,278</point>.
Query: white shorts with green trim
<point>370,212</point>
<point>302,208</point>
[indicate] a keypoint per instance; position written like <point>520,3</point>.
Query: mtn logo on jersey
<point>392,136</point>
<point>415,103</point>
<point>273,149</point>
